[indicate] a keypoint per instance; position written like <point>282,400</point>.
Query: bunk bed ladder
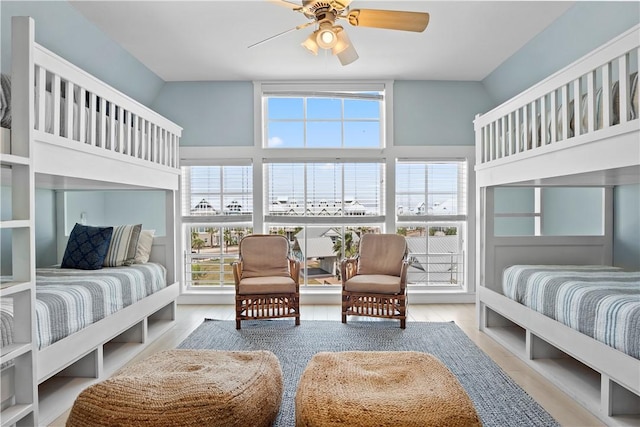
<point>23,406</point>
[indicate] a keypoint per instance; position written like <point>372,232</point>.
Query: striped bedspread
<point>599,301</point>
<point>69,300</point>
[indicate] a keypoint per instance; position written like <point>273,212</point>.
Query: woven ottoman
<point>381,388</point>
<point>186,388</point>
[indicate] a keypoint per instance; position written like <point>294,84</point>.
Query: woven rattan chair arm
<point>348,269</point>
<point>294,270</point>
<point>237,272</point>
<point>403,276</point>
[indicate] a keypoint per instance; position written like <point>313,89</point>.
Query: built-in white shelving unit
<point>20,369</point>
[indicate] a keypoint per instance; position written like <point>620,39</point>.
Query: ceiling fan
<point>328,35</point>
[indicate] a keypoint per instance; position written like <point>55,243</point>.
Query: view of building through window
<point>323,206</point>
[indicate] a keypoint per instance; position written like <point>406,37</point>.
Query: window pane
<point>285,135</point>
<point>360,109</point>
<point>363,189</point>
<point>238,190</point>
<point>202,189</point>
<point>431,188</point>
<point>312,120</point>
<point>320,249</point>
<point>212,251</point>
<point>324,108</point>
<point>410,189</point>
<point>286,189</point>
<point>361,134</point>
<point>217,190</point>
<point>436,254</point>
<point>316,189</point>
<point>324,134</point>
<point>285,108</point>
<point>444,194</point>
<point>324,189</point>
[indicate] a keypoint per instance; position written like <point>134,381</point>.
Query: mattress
<point>599,301</point>
<point>69,300</point>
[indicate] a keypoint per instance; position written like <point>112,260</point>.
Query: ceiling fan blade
<point>299,27</point>
<point>340,4</point>
<point>389,19</point>
<point>348,55</point>
<point>288,4</point>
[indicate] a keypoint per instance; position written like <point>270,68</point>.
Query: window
<point>325,189</point>
<point>323,118</point>
<point>321,205</point>
<point>217,191</point>
<point>431,214</point>
<point>324,171</point>
<point>217,211</point>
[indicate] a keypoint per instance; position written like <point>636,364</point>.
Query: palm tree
<point>197,244</point>
<point>210,230</point>
<point>349,248</point>
<point>227,237</point>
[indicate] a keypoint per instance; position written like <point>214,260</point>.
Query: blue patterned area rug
<point>499,401</point>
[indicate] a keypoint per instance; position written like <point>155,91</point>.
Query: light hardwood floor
<point>564,409</point>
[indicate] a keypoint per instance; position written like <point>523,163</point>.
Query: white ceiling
<point>208,40</point>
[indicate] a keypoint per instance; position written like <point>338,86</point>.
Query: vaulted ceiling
<point>208,40</point>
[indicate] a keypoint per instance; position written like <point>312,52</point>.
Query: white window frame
<point>258,155</point>
<point>461,220</point>
<point>310,90</point>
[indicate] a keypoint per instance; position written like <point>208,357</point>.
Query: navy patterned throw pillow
<point>87,247</point>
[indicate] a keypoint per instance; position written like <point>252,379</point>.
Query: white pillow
<point>144,246</point>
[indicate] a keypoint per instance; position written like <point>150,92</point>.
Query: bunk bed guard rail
<point>73,107</point>
<point>534,122</point>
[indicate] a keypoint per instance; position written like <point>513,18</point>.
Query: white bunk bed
<point>72,131</point>
<point>604,152</point>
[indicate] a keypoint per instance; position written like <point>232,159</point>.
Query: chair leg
<point>403,323</point>
<point>238,312</point>
<point>344,317</point>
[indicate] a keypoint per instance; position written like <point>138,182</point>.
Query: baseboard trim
<point>318,297</point>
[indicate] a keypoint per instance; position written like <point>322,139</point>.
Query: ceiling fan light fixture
<point>326,37</point>
<point>348,55</point>
<point>342,42</point>
<point>310,43</point>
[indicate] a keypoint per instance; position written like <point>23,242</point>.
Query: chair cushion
<point>266,285</point>
<point>264,255</point>
<point>381,254</point>
<point>373,283</point>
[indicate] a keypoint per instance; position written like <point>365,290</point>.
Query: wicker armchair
<point>374,281</point>
<point>267,280</point>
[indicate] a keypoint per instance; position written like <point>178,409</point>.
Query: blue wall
<point>65,31</point>
<point>626,225</point>
<point>45,222</point>
<point>437,112</point>
<point>211,113</point>
<point>106,208</point>
<point>572,211</point>
<point>585,26</point>
<point>425,112</point>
